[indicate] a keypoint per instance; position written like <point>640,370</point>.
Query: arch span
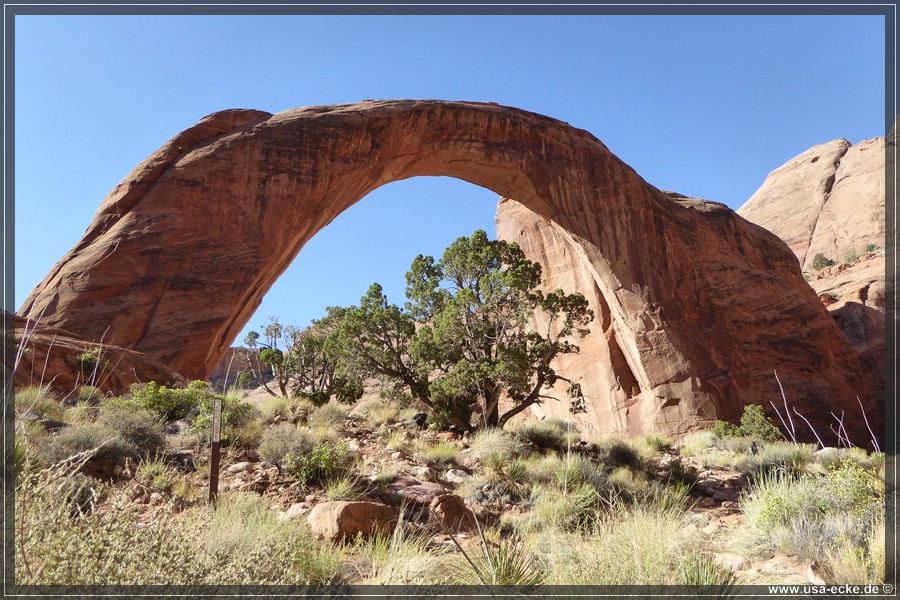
<point>703,305</point>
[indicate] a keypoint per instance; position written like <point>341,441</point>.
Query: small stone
<point>457,476</point>
<point>731,562</point>
<point>353,446</point>
<point>155,498</point>
<point>239,467</point>
<point>424,473</point>
<point>295,511</point>
<point>707,502</point>
<point>729,504</point>
<point>396,455</point>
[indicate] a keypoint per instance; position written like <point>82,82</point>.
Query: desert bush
<point>754,424</point>
<point>119,433</point>
<point>680,472</point>
<point>487,441</point>
<point>283,440</point>
<point>577,470</point>
<point>820,262</point>
<point>806,515</point>
<point>400,556</point>
<point>790,458</point>
<point>696,442</point>
<point>330,416</point>
<point>576,510</point>
<point>701,570</point>
<point>401,441</point>
<point>171,403</point>
<point>274,406</point>
<point>543,469</point>
<point>90,395</point>
<point>89,361</point>
<point>347,486</point>
<point>137,432</point>
<point>321,463</point>
<point>440,454</point>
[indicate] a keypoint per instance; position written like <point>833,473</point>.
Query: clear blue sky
<point>703,105</point>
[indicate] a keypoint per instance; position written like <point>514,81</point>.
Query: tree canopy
<point>465,337</point>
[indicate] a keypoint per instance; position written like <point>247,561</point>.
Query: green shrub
<point>381,412</point>
<point>754,423</point>
<point>723,429</point>
<point>171,403</point>
<point>89,360</point>
<point>321,463</point>
<point>500,560</point>
<point>138,432</point>
<point>680,472</point>
<point>576,510</point>
<point>820,262</point>
<point>851,256</point>
<point>90,395</point>
<point>155,474</point>
<point>854,489</point>
<point>657,442</point>
<point>870,248</point>
<point>283,440</point>
<point>241,542</point>
<point>702,570</point>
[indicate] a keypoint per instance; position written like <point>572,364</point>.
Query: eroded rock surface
<point>704,305</point>
<point>831,200</point>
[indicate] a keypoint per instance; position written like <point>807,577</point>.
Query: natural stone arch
<point>703,303</point>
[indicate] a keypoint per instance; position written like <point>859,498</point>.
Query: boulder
<point>452,511</point>
<point>340,519</point>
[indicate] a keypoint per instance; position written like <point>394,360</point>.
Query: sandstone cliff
<point>704,304</point>
<point>831,200</point>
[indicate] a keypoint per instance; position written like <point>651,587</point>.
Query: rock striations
<point>701,306</point>
<point>830,200</point>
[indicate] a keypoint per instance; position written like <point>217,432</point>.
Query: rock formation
<point>704,304</point>
<point>50,356</point>
<point>831,200</point>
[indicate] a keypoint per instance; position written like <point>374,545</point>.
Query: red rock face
<point>704,304</point>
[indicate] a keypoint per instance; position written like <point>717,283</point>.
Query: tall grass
<point>637,544</point>
<point>241,542</point>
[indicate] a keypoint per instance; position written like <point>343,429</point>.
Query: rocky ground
<point>430,492</point>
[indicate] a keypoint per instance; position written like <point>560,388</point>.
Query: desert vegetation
<point>119,495</point>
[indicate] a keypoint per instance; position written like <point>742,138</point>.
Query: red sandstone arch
<point>704,304</point>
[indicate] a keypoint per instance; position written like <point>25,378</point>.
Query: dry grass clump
<point>439,454</point>
<point>39,402</point>
<point>239,543</point>
<point>488,441</point>
<point>634,544</point>
<point>551,434</point>
<point>383,412</point>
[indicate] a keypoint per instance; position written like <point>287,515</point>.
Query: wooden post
<point>214,437</point>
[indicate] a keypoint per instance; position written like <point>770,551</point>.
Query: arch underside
<point>701,305</point>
